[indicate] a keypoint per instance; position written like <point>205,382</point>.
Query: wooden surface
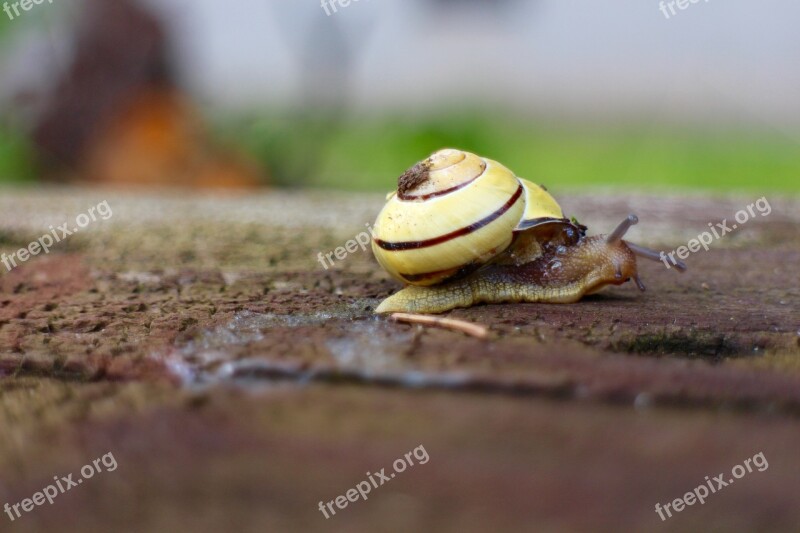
<point>238,383</point>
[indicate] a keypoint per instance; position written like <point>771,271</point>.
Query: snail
<point>461,230</point>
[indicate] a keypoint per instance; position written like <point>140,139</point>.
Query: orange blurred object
<point>157,139</point>
<point>118,117</point>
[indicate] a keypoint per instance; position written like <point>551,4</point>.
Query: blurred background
<point>304,94</point>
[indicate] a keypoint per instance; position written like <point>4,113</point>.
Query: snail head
<point>615,258</point>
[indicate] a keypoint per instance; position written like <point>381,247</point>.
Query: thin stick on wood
<point>475,330</point>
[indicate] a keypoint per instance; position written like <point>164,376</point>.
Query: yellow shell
<point>452,213</point>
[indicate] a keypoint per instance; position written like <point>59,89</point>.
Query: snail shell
<point>453,213</point>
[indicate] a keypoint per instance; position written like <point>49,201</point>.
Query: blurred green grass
<point>318,148</point>
<point>16,154</point>
<point>323,150</point>
<point>16,157</point>
<point>369,154</point>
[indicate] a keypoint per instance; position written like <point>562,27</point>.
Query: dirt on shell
<point>413,177</point>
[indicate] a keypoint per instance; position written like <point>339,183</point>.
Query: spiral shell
<point>452,213</point>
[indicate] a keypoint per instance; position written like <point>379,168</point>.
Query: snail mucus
<point>462,230</point>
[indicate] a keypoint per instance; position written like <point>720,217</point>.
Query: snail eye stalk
<point>652,255</point>
<point>646,253</point>
<point>622,229</point>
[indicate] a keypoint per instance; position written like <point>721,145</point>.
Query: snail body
<point>462,230</point>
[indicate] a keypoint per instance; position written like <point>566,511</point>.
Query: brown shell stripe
<point>410,197</point>
<point>414,245</point>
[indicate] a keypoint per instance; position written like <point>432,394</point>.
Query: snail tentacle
<point>652,255</point>
<point>622,229</point>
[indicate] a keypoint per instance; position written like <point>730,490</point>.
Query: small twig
<point>476,330</point>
